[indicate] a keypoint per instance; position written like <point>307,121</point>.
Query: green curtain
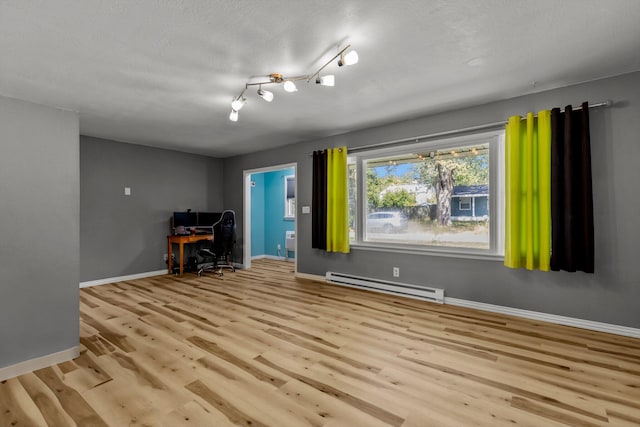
<point>528,192</point>
<point>337,201</point>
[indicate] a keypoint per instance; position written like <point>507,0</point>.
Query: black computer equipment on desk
<point>182,223</point>
<point>184,220</point>
<point>207,219</point>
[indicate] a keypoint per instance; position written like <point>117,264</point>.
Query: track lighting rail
<point>275,78</point>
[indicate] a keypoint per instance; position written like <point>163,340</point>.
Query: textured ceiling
<point>163,73</point>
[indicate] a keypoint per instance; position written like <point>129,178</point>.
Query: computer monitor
<point>185,219</point>
<point>207,219</point>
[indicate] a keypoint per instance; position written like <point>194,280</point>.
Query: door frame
<point>246,256</point>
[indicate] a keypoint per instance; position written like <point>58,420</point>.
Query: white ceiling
<point>164,72</point>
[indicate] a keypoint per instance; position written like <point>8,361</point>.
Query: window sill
<point>445,252</point>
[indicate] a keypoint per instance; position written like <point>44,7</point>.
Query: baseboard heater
<point>404,289</point>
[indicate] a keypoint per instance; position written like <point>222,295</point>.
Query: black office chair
<point>219,255</point>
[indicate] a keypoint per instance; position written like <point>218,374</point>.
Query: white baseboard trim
<point>545,317</point>
<point>311,277</point>
<point>527,314</point>
<point>122,278</point>
<point>38,363</point>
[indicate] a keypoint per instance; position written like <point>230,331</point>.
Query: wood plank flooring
<point>261,348</point>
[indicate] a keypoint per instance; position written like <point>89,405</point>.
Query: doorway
<point>270,225</point>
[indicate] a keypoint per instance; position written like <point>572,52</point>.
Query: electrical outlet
<point>396,272</point>
<point>279,247</point>
<point>165,257</point>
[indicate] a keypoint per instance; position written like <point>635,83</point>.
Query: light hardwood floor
<point>261,348</point>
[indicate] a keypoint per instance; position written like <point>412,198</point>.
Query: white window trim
<point>288,215</point>
<point>496,198</point>
<point>469,202</point>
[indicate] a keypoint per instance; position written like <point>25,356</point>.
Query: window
<point>443,196</point>
<point>289,196</point>
<point>464,203</point>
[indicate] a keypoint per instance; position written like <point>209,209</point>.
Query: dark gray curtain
<point>572,241</point>
<point>319,201</point>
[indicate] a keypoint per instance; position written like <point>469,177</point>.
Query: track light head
<point>290,86</point>
<point>348,59</point>
<point>329,80</point>
<point>265,94</point>
<point>238,103</point>
<point>233,116</point>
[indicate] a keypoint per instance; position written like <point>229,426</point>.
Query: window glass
<point>290,197</point>
<point>436,196</point>
<point>464,203</point>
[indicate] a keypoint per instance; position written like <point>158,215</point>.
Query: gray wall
<point>611,295</point>
<point>122,235</point>
<point>39,225</point>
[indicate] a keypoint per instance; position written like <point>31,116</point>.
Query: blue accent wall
<point>268,226</point>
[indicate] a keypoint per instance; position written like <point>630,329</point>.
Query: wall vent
<point>404,289</point>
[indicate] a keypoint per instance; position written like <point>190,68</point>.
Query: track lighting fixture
<point>238,103</point>
<point>265,94</point>
<point>348,59</point>
<point>289,85</point>
<point>329,80</point>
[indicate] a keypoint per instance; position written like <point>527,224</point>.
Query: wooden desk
<point>180,241</point>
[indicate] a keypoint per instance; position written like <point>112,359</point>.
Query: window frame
<point>289,212</point>
<point>495,139</point>
<point>465,200</point>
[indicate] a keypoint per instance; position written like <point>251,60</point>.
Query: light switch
<point>306,209</point>
<point>127,191</point>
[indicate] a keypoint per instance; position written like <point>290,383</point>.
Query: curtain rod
<point>423,138</point>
